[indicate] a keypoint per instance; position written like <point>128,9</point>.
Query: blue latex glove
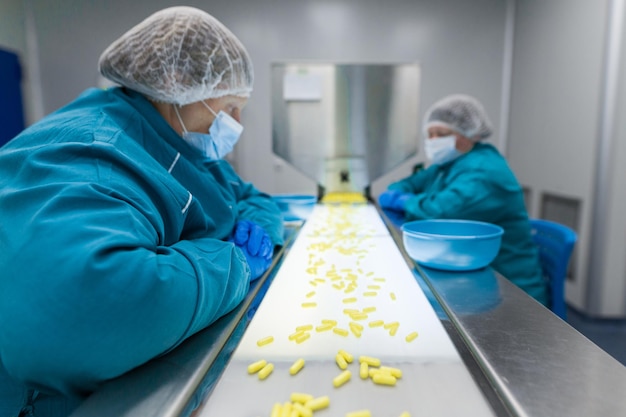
<point>394,200</point>
<point>258,264</point>
<point>253,237</point>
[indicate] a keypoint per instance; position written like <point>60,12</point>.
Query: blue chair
<point>556,243</point>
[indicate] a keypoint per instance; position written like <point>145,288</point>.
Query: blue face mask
<point>223,134</point>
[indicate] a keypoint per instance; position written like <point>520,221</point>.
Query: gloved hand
<point>252,236</point>
<point>258,264</point>
<point>394,200</point>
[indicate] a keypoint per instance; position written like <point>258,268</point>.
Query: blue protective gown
<point>479,185</point>
<point>113,242</point>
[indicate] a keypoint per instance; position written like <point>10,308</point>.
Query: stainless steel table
<point>523,360</point>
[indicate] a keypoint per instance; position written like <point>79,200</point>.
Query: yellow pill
<point>410,337</point>
<point>355,325</point>
<point>376,323</point>
<point>299,397</point>
<point>340,332</point>
<point>349,300</point>
<point>266,371</point>
<point>364,372</point>
<point>360,413</point>
<point>318,403</point>
<point>309,305</point>
<point>358,316</point>
<point>349,290</point>
<point>369,274</point>
<point>382,378</point>
<point>373,287</point>
<point>304,327</point>
<point>342,378</point>
<point>322,280</point>
<point>348,357</point>
<point>369,360</point>
<point>313,283</point>
<point>256,366</point>
<point>392,295</point>
<point>380,279</point>
<point>286,411</point>
<point>323,327</point>
<point>265,341</point>
<point>405,414</point>
<point>369,309</point>
<point>391,371</point>
<point>338,286</point>
<point>311,294</point>
<point>302,337</point>
<point>341,361</point>
<point>391,325</point>
<point>350,311</point>
<point>296,335</point>
<point>276,410</point>
<point>297,365</point>
<point>300,410</point>
<point>370,294</point>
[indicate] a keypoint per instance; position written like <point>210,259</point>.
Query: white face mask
<point>223,134</point>
<point>441,150</point>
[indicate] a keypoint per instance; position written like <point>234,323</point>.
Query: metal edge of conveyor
<point>174,384</point>
<point>480,371</point>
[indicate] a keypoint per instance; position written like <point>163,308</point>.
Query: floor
<point>609,335</point>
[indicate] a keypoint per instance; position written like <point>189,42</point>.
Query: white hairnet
<point>179,55</point>
<point>461,113</point>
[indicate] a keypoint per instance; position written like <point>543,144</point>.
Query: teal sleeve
<point>101,278</point>
<point>467,194</point>
<point>417,182</point>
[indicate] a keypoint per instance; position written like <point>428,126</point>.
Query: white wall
<point>459,43</point>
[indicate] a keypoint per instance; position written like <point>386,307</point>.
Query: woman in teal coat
<point>123,231</point>
<point>470,180</point>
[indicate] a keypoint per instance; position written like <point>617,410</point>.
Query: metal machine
<point>344,125</point>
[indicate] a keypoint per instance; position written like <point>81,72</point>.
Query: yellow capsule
<point>341,361</point>
<point>302,337</point>
<point>265,341</point>
<point>348,357</point>
<point>355,325</point>
<point>286,411</point>
<point>297,365</point>
<point>311,294</point>
<point>382,378</point>
<point>256,366</point>
<point>323,327</point>
<point>391,325</point>
<point>276,410</point>
<point>349,300</point>
<point>373,287</point>
<point>410,337</point>
<point>349,290</point>
<point>318,403</point>
<point>266,371</point>
<point>358,316</point>
<point>393,296</point>
<point>299,397</point>
<point>369,274</point>
<point>300,410</point>
<point>327,321</point>
<point>350,311</point>
<point>304,327</point>
<point>342,378</point>
<point>395,372</point>
<point>376,323</point>
<point>360,413</point>
<point>340,332</point>
<point>313,283</point>
<point>405,414</point>
<point>369,360</point>
<point>296,335</point>
<point>364,370</point>
<point>370,294</point>
<point>309,305</point>
<point>321,280</point>
<point>369,309</point>
<point>380,279</point>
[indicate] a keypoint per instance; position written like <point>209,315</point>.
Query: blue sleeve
<point>97,279</point>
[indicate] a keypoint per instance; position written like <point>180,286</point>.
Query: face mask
<point>223,134</point>
<point>441,150</point>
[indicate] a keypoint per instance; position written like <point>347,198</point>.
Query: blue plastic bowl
<point>452,245</point>
<point>295,206</point>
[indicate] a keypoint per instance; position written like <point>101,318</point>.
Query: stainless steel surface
<point>345,125</point>
<point>538,364</point>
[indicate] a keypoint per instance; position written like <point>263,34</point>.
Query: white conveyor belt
<point>344,260</point>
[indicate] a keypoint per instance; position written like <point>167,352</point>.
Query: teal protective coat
<point>479,185</point>
<point>114,242</point>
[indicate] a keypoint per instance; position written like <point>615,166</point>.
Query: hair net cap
<point>179,55</point>
<point>461,113</point>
